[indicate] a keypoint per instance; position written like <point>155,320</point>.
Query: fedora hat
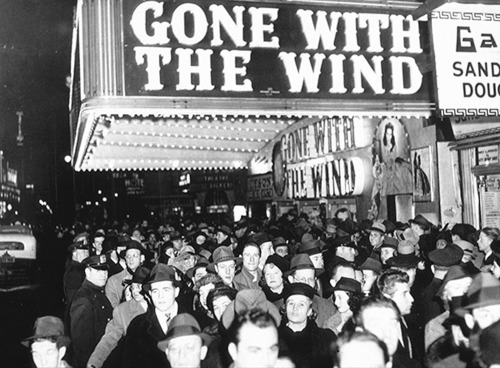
<point>483,291</point>
<point>406,256</point>
<point>348,284</point>
<point>302,262</point>
<point>246,300</point>
<point>371,264</point>
<point>139,276</point>
<point>448,256</point>
<point>309,246</point>
<point>48,327</point>
<point>259,238</point>
<point>279,241</point>
<point>222,254</point>
<point>202,263</point>
<point>422,222</point>
<point>389,242</point>
<point>225,229</point>
<point>407,234</point>
<point>378,226</point>
<point>184,253</point>
<point>131,244</point>
<point>183,324</point>
<point>161,272</point>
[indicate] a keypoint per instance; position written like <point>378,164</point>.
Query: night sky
<point>35,55</point>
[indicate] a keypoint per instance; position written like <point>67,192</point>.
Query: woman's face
<point>341,301</point>
<point>484,242</point>
<point>298,308</point>
<point>220,305</point>
<point>273,276</point>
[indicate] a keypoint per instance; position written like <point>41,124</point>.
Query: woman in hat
<point>309,345</point>
<point>347,296</point>
<point>274,285</point>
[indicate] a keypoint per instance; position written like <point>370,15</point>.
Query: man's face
<point>347,253</point>
<point>342,216</point>
<point>136,234</point>
<point>372,357</point>
<point>417,228</point>
<point>383,323</point>
<point>46,354</point>
<point>220,304</point>
<point>240,232</point>
<point>376,238</point>
<point>177,244</point>
<point>298,308</point>
<point>199,273</point>
<point>133,258</point>
<point>226,271</point>
<point>282,250</point>
<point>317,260</point>
<point>402,297</point>
<point>186,352</point>
<point>273,276</point>
<point>306,276</point>
<point>96,277</point>
<point>251,257</point>
<point>98,243</point>
<point>200,239</point>
<point>369,278</point>
<point>257,347</point>
<point>220,237</point>
<point>80,254</point>
<point>386,253</point>
<point>163,294</point>
<point>484,242</point>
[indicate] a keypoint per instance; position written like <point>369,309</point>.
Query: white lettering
<point>399,34</point>
<point>200,24</point>
<point>414,80</point>
<point>260,28</point>
<point>230,70</point>
<point>373,75</point>
<point>138,24</point>
<point>154,57</point>
<point>234,28</point>
<point>305,74</point>
<point>319,31</point>
<point>186,70</point>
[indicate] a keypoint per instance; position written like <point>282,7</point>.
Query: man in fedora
<point>224,264</point>
<point>423,228</point>
<point>185,345</point>
<point>303,270</point>
<point>134,257</point>
<point>223,236</point>
<point>48,343</point>
<point>376,237</point>
<point>90,310</point>
<point>123,314</point>
<point>162,286</point>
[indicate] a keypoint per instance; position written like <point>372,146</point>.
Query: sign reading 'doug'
<point>466,42</point>
<point>266,49</point>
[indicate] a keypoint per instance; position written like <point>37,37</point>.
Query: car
<point>18,256</point>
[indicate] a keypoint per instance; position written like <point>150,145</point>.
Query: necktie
<point>406,338</point>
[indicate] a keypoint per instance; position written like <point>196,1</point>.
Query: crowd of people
<point>301,291</point>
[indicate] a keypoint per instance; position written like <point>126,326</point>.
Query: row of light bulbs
<point>190,136</point>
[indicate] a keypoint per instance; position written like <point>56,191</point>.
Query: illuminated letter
<point>230,70</point>
<point>314,32</point>
<point>234,28</point>
<point>259,28</point>
<point>152,57</point>
<point>398,65</point>
<point>374,22</point>
<point>200,24</point>
<point>361,68</point>
<point>306,74</point>
<point>351,32</point>
<point>186,70</point>
<point>138,24</point>
<point>399,34</point>
<point>337,62</point>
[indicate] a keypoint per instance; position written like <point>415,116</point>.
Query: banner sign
<point>260,187</point>
<point>276,50</point>
<point>466,48</point>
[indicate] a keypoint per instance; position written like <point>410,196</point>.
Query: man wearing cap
<point>123,314</point>
<point>145,331</point>
<point>371,269</point>
<point>90,310</point>
<point>388,249</point>
<point>134,257</point>
<point>185,345</point>
<point>312,248</point>
<point>74,274</point>
<point>224,264</point>
<point>250,274</point>
<point>48,343</point>
<point>223,236</point>
<point>281,247</point>
<point>302,270</point>
<point>442,260</point>
<point>376,237</point>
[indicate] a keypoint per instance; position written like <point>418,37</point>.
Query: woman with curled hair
<point>308,345</point>
<point>347,296</point>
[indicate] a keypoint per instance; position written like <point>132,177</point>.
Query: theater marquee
<point>264,49</point>
<point>466,41</point>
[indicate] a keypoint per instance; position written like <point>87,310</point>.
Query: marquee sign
<point>466,41</point>
<point>285,50</point>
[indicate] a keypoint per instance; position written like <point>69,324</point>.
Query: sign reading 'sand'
<point>266,49</point>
